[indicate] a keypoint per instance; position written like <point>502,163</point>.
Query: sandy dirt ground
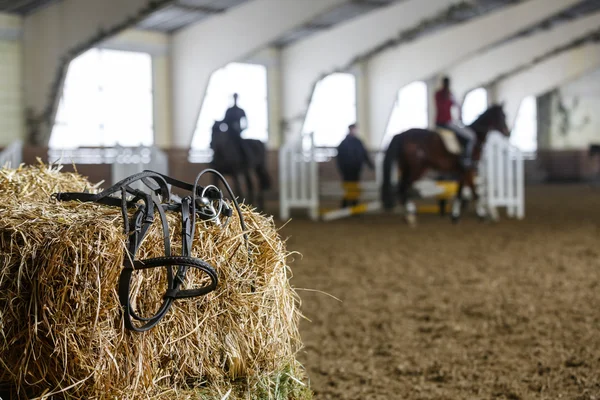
<point>475,311</point>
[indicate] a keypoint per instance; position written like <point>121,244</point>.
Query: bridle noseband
<point>159,199</point>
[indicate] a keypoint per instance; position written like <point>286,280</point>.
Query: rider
<point>444,100</point>
<point>237,122</point>
<point>350,159</point>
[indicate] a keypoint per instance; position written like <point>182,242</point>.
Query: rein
<point>200,204</point>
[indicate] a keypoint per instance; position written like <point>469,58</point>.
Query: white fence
<point>12,155</point>
<point>125,161</point>
<point>298,177</point>
<point>501,178</point>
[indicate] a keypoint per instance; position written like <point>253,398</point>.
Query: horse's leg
<point>480,209</point>
<point>237,187</point>
<point>409,176</point>
<point>442,205</point>
<point>216,181</point>
<point>260,198</point>
<point>404,185</point>
<point>457,204</point>
<point>249,187</point>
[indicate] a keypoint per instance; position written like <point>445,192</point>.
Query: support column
<point>11,67</point>
<point>163,112</point>
<point>433,84</point>
<point>274,101</point>
<point>544,108</point>
<point>361,73</point>
<point>270,58</point>
<point>492,94</point>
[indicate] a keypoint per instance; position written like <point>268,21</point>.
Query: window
<point>524,133</point>
<point>249,81</point>
<point>475,104</point>
<point>410,110</point>
<point>106,101</point>
<point>332,109</point>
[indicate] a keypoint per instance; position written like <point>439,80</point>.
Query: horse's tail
<point>387,192</point>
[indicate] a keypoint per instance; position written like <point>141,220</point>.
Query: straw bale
<point>61,328</point>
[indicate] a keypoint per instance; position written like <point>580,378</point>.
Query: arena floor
<point>474,311</point>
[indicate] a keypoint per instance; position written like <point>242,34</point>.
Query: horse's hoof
<point>411,219</point>
<point>455,220</point>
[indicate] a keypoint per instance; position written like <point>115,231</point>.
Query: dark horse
<point>228,160</point>
<point>419,150</point>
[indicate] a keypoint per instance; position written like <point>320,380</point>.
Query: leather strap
<point>146,205</point>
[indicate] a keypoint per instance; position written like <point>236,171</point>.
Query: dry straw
<point>61,330</point>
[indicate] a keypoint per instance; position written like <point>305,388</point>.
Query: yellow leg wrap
<point>351,190</point>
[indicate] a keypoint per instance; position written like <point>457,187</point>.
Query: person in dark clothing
<point>444,101</point>
<point>237,122</point>
<point>351,156</point>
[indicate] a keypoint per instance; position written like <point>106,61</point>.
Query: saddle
<point>158,200</point>
<point>450,140</point>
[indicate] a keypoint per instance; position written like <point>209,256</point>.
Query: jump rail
<point>500,183</point>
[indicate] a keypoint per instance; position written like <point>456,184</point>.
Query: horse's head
<point>493,119</point>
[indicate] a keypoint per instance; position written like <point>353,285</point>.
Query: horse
<point>419,150</point>
<point>228,160</point>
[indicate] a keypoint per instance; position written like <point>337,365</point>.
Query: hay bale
<point>61,328</point>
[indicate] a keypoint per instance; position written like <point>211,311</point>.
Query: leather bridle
<point>159,199</point>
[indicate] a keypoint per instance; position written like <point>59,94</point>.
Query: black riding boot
<point>467,160</point>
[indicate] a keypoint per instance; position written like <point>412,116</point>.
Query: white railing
<point>200,156</point>
<point>125,161</point>
<point>502,177</point>
<point>156,161</point>
<point>298,177</point>
<point>12,155</point>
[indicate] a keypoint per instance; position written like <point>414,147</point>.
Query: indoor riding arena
<point>298,200</point>
<point>474,311</point>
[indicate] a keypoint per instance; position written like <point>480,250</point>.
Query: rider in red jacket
<point>444,100</point>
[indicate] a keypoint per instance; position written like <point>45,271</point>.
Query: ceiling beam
<point>489,65</point>
<point>546,75</point>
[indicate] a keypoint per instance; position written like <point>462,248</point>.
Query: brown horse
<point>420,150</point>
<point>228,160</point>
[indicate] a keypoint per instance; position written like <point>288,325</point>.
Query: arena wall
<point>575,121</point>
<point>11,95</point>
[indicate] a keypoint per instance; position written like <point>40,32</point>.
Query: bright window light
<point>249,81</point>
<point>475,104</point>
<point>106,101</point>
<point>524,132</point>
<point>332,109</point>
<point>410,110</point>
